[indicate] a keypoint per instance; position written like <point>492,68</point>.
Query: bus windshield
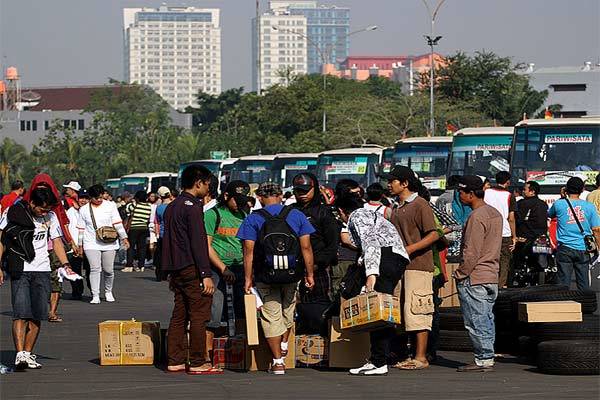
<point>387,160</point>
<point>284,169</point>
<point>252,171</point>
<point>361,168</point>
<point>133,185</point>
<point>483,155</point>
<point>212,166</point>
<point>550,155</point>
<point>428,160</point>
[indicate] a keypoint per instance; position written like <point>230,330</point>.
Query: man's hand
<point>77,251</point>
<point>309,282</point>
<point>125,243</point>
<point>513,245</point>
<point>228,276</point>
<point>370,285</point>
<point>1,277</point>
<point>209,286</point>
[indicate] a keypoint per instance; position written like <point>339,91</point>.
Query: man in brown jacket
<point>477,276</point>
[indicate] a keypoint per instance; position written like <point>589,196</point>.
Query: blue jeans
<point>569,259</point>
<point>30,292</point>
<point>476,303</point>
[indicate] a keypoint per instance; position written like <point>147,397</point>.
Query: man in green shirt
<point>225,252</point>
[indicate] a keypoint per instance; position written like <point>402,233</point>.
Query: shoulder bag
<point>104,234</point>
<point>589,240</point>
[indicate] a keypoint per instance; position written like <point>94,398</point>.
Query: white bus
<point>147,181</point>
<point>360,164</point>
<point>550,151</point>
<point>113,186</point>
<point>253,169</point>
<point>219,168</point>
<point>286,166</point>
<point>481,151</point>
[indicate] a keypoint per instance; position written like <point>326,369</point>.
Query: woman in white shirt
<point>100,255</point>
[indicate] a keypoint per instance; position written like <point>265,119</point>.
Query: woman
<point>101,256</point>
<point>384,258</point>
<point>140,225</point>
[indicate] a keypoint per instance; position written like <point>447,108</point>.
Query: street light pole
<point>432,41</point>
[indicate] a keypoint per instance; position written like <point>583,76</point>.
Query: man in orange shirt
<point>17,190</point>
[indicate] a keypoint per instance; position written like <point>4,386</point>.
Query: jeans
<point>218,312</point>
<point>30,294</point>
<point>137,247</point>
<point>476,303</point>
<point>101,260</point>
<point>569,259</point>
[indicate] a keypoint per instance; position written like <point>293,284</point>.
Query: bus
<point>550,151</point>
<point>481,151</point>
<point>428,158</point>
<point>147,181</point>
<point>361,164</point>
<point>113,186</point>
<point>253,169</point>
<point>387,160</point>
<point>286,166</point>
<point>219,168</point>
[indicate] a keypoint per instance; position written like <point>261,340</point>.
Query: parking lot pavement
<point>69,353</point>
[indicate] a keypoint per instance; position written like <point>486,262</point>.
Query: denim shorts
<point>30,294</point>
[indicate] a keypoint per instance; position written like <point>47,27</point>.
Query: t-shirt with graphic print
<point>225,242</point>
<point>568,232</point>
<point>46,228</point>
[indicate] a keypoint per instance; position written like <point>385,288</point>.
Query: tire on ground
<point>455,341</point>
<point>587,298</point>
<point>589,329</point>
<point>569,357</point>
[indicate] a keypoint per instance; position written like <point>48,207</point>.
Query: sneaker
<point>95,300</point>
<point>21,361</point>
<point>141,269</point>
<point>127,269</point>
<point>278,369</point>
<point>137,269</point>
<point>475,368</point>
<point>359,371</point>
<point>376,371</point>
<point>31,362</point>
<point>109,297</point>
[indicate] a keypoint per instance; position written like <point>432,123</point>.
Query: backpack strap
<point>285,212</point>
<point>265,214</point>
<point>575,216</point>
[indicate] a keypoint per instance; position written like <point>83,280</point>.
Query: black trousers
<point>391,270</point>
<point>79,265</point>
<point>137,246</point>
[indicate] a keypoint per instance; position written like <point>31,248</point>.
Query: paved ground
<point>69,353</point>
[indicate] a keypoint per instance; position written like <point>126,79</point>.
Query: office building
<point>174,50</point>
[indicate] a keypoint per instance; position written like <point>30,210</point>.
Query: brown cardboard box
<point>259,357</point>
<point>449,292</point>
<point>311,351</point>
<point>347,349</point>
<point>550,311</point>
<point>370,311</point>
<point>229,353</point>
<point>251,323</point>
<point>128,342</point>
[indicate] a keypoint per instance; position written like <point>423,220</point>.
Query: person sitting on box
<point>384,258</point>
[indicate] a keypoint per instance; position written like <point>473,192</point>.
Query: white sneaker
<point>109,297</point>
<point>21,361</point>
<point>127,269</point>
<point>95,300</point>
<point>141,269</point>
<point>360,371</point>
<point>31,363</point>
<point>377,371</point>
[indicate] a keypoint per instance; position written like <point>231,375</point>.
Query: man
<point>30,275</point>
<point>71,190</point>
<point>17,189</point>
<point>571,253</point>
<point>376,198</point>
<point>77,259</point>
<point>166,198</point>
<point>185,258</point>
<point>210,199</point>
<point>277,312</point>
<point>502,200</point>
<point>225,252</point>
<point>415,221</point>
<point>594,197</point>
<point>477,275</point>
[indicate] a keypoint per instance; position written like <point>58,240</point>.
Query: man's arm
<point>331,237</point>
<point>248,260</point>
<point>59,250</point>
<point>424,243</point>
<point>513,228</point>
<point>473,239</point>
<point>307,254</point>
<point>596,232</point>
<point>198,242</point>
<point>216,262</point>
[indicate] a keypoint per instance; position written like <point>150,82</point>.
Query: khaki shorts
<point>415,291</point>
<point>277,312</point>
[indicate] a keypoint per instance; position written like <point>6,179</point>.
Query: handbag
<point>104,234</point>
<point>589,240</point>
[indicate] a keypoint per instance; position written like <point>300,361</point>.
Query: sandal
<point>208,371</point>
<point>412,365</point>
<point>55,318</point>
<point>172,369</point>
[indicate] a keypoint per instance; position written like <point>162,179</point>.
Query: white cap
<point>163,191</point>
<point>73,185</point>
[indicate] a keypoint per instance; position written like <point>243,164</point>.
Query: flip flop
<point>412,365</point>
<point>55,318</point>
<point>210,371</point>
<point>400,364</point>
<point>175,371</point>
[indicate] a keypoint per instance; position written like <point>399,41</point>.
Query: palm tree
<point>13,157</point>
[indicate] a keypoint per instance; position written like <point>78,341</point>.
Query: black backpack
<point>278,249</point>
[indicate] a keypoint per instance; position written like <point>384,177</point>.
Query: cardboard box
<point>230,353</point>
<point>312,351</point>
<point>259,357</point>
<point>251,323</point>
<point>550,311</point>
<point>128,342</point>
<point>370,311</point>
<point>347,349</point>
<point>449,292</point>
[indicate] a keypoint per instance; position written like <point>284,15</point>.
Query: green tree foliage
<point>13,160</point>
<point>210,107</point>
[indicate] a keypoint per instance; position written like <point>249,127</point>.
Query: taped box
<point>312,351</point>
<point>550,311</point>
<point>347,349</point>
<point>370,311</point>
<point>128,342</point>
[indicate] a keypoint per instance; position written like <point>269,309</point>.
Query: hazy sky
<point>60,42</point>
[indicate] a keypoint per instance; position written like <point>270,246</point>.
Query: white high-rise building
<point>174,50</point>
<point>282,51</point>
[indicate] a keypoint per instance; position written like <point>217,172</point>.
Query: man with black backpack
<point>275,237</point>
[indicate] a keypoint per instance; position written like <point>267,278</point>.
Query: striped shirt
<point>140,218</point>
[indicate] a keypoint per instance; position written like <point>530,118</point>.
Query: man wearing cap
<point>71,190</point>
<point>225,252</point>
<point>159,226</point>
<point>571,254</point>
<point>76,255</point>
<point>279,300</point>
<point>477,275</point>
<point>415,221</point>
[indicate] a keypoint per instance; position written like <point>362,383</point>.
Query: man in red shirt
<point>17,190</point>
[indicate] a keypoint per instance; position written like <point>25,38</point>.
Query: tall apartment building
<point>174,50</point>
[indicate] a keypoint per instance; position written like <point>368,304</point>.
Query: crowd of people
<point>299,252</point>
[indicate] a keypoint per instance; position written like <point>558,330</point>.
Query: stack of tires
<point>453,335</point>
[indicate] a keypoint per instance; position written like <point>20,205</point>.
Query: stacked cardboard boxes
<point>370,311</point>
<point>550,311</point>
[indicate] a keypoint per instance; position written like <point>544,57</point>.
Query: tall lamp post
<point>432,41</point>
<point>323,55</point>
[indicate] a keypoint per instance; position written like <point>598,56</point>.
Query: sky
<point>78,42</point>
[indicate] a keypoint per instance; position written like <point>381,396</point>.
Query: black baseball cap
<point>303,182</point>
<point>575,185</point>
<point>239,190</point>
<point>470,183</point>
<point>269,189</point>
<point>399,172</point>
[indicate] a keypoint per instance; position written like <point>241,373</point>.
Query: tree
<point>13,158</point>
<point>211,107</point>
